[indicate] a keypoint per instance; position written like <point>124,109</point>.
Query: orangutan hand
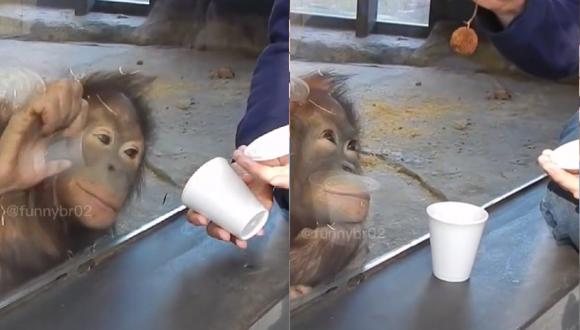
<point>23,141</point>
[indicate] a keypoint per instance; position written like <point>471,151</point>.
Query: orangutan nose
<point>348,167</point>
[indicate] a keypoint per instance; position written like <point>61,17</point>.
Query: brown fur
<point>31,243</point>
<point>320,248</point>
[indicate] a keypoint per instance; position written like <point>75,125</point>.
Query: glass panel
<point>414,12</point>
<point>430,130</point>
<point>193,96</point>
<point>339,8</point>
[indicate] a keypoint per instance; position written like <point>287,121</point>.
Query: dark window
<point>401,17</point>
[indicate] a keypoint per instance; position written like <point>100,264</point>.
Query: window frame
<point>366,21</point>
<point>83,7</point>
<point>122,7</point>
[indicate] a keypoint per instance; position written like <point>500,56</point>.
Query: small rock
<point>500,94</point>
<point>140,62</point>
<point>183,104</point>
<point>461,125</point>
<point>222,73</point>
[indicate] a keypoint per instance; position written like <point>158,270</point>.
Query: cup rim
<point>485,214</point>
<point>261,219</point>
<point>371,185</point>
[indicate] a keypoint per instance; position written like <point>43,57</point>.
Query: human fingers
<point>245,175</point>
<point>218,232</point>
<point>277,176</point>
<point>196,219</point>
<point>564,179</point>
<point>78,124</point>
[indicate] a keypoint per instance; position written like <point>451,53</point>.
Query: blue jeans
<point>278,212</point>
<point>559,207</point>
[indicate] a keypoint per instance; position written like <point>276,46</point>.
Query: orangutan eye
<point>352,145</point>
<point>104,138</point>
<point>329,135</point>
<point>132,153</point>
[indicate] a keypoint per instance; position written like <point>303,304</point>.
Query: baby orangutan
<point>328,202</point>
<point>51,209</point>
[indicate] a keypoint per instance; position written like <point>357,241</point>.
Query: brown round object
<point>464,41</point>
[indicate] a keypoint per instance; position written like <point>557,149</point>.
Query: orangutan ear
<point>325,81</point>
<point>299,90</point>
<point>320,81</point>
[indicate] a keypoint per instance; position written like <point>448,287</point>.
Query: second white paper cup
<point>456,229</point>
<point>218,193</point>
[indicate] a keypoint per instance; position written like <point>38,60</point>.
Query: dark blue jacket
<point>542,40</point>
<point>267,107</point>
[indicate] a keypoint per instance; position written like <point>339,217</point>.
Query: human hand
<point>28,133</point>
<point>568,181</point>
<point>505,10</point>
<point>275,172</point>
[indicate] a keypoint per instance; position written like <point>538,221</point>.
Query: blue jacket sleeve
<point>542,40</point>
<point>267,106</point>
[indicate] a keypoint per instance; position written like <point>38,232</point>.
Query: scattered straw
<point>320,107</point>
<point>107,106</point>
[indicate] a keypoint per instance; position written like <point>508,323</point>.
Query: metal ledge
<point>382,260</point>
<point>521,273</point>
<point>76,264</point>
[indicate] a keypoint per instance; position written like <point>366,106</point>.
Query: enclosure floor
<point>195,116</point>
<point>434,134</point>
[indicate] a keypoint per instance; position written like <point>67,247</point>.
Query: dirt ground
<point>432,134</point>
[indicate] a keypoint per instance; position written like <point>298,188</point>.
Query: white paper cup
<point>218,193</point>
<point>567,156</point>
<point>456,230</point>
<point>61,148</point>
<point>352,195</point>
